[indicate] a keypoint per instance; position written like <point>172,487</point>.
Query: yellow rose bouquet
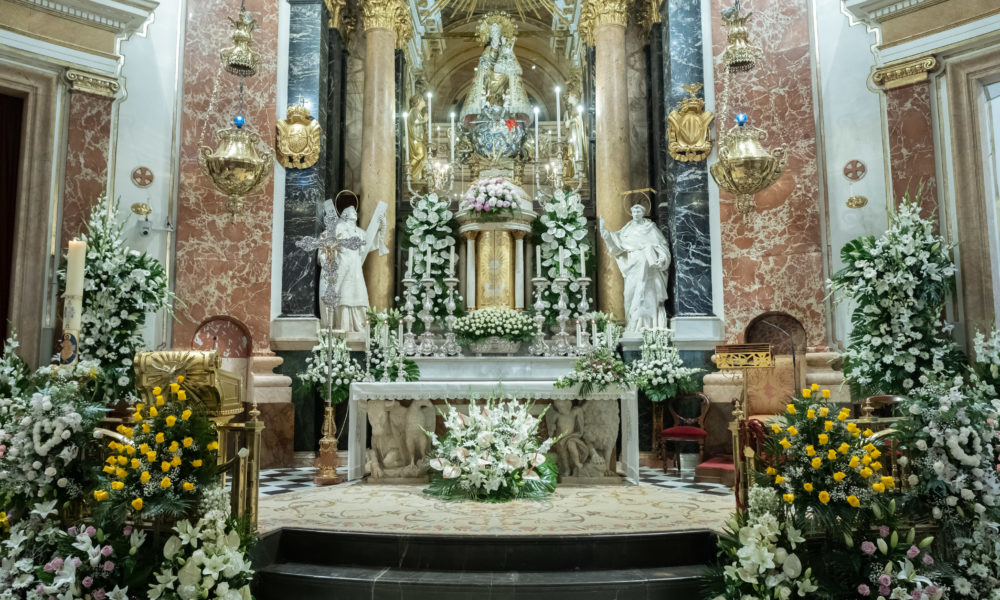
<point>822,463</point>
<point>168,457</point>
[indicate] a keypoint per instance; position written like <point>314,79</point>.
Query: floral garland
<point>492,454</point>
<point>121,287</point>
<point>899,282</point>
<point>331,362</point>
<point>505,323</point>
<point>492,198</point>
<point>562,227</point>
<point>661,373</point>
<point>206,559</point>
<point>170,460</point>
<point>432,226</point>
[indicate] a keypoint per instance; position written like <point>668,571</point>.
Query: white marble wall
<point>850,126</point>
<point>145,134</point>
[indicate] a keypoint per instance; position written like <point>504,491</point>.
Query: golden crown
<point>507,27</point>
<point>298,111</point>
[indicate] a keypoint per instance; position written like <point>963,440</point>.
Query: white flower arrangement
<point>430,226</point>
<point>331,363</point>
<point>899,282</point>
<point>205,560</point>
<point>601,366</point>
<point>562,227</point>
<point>660,372</point>
<point>484,323</point>
<point>492,453</point>
<point>28,546</point>
<point>121,287</point>
<point>492,196</point>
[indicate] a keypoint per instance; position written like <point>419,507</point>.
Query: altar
<point>455,389</point>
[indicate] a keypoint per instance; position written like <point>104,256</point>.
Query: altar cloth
<point>361,392</point>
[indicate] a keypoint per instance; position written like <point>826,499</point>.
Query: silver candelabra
<point>409,347</point>
<point>562,345</point>
<point>583,342</point>
<point>450,346</point>
<point>540,347</point>
<point>427,346</point>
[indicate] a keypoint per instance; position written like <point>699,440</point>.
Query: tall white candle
<point>538,261</point>
<point>406,137</point>
<point>538,142</point>
<point>368,335</point>
<point>427,263</point>
<point>558,115</point>
<point>579,333</point>
<point>385,338</point>
<point>593,332</point>
<point>452,140</point>
<point>560,262</point>
<point>399,333</point>
<point>451,263</point>
<point>583,264</point>
<point>409,264</point>
<point>429,122</point>
<point>75,259</point>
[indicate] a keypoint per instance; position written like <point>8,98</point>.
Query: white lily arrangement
<point>562,227</point>
<point>431,226</point>
<point>205,560</point>
<point>492,453</point>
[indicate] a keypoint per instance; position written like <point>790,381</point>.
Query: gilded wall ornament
<point>689,136</point>
<point>906,73</point>
<point>393,15</point>
<point>298,142</point>
<point>602,12</point>
<point>89,83</point>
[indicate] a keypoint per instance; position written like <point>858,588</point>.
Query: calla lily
<point>451,472</point>
<point>439,464</point>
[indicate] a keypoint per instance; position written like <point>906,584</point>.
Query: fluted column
<point>386,24</point>
<point>604,23</point>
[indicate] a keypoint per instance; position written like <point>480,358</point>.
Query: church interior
<point>499,299</point>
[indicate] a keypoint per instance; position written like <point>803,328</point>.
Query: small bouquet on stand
<point>661,373</point>
<point>492,198</point>
<point>601,366</point>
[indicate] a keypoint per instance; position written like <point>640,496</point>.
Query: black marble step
<point>488,553</point>
<point>317,582</point>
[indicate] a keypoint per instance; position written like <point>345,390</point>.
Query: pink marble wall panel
<point>773,261</point>
<point>223,263</point>
<point>911,144</point>
<point>87,145</point>
<point>225,336</point>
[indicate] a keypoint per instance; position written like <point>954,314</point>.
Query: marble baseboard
<point>277,439</point>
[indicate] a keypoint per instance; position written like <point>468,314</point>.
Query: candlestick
<point>560,262</point>
<point>579,334</point>
<point>409,264</point>
<point>430,124</point>
<point>427,263</point>
<point>537,141</point>
<point>451,263</point>
<point>558,115</point>
<point>583,264</point>
<point>538,261</point>
<point>453,139</point>
<point>399,340</point>
<point>593,331</point>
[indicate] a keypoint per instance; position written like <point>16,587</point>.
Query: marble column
<point>305,189</point>
<point>385,23</point>
<point>683,189</point>
<point>605,20</point>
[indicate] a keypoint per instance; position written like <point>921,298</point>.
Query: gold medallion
<point>688,136</point>
<point>298,140</point>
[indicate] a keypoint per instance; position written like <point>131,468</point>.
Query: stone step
<point>316,582</point>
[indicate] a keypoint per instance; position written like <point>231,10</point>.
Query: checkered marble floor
<point>280,481</point>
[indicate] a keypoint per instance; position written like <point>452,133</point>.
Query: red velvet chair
<point>685,430</point>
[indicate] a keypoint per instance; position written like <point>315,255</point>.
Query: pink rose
<point>109,566</point>
<point>883,531</point>
<point>927,560</point>
<point>863,590</point>
<point>868,548</point>
<point>912,552</point>
<point>884,579</point>
<point>90,531</point>
<point>106,551</point>
<point>87,581</point>
<point>884,590</point>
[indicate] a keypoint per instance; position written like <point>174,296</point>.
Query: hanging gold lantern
<point>236,166</point>
<point>740,55</point>
<point>241,59</point>
<point>745,167</point>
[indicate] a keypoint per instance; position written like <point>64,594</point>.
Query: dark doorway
<point>11,117</point>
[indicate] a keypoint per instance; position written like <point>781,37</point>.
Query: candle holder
<point>450,346</point>
<point>540,347</point>
<point>583,344</point>
<point>427,346</point>
<point>562,345</point>
<point>400,361</point>
<point>409,347</point>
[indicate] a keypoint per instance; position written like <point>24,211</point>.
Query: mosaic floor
<point>661,504</point>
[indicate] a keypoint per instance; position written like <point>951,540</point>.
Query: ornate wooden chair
<point>684,430</point>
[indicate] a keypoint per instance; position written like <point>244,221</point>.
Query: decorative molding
<point>52,53</point>
<point>906,73</point>
<point>596,13</point>
<point>877,11</point>
<point>984,29</point>
<point>646,13</point>
<point>121,16</point>
<point>393,15</point>
<point>89,83</point>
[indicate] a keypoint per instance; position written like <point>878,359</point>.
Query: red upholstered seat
<point>684,432</point>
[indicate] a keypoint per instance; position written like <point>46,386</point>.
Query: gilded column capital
<point>393,15</point>
<point>905,73</point>
<point>337,10</point>
<point>603,12</point>
<point>89,83</point>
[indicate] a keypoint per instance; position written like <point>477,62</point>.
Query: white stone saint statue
<point>643,257</point>
<point>342,250</point>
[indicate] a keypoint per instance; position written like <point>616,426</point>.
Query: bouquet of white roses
<point>206,559</point>
<point>505,323</point>
<point>899,282</point>
<point>331,363</point>
<point>492,454</point>
<point>492,196</point>
<point>661,373</point>
<point>562,227</point>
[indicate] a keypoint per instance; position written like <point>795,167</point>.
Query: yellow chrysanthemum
<point>784,444</point>
<point>121,473</point>
<point>143,448</point>
<point>876,466</point>
<point>122,461</point>
<point>824,496</point>
<point>831,455</point>
<point>157,391</point>
<point>130,450</point>
<point>778,480</point>
<point>865,473</point>
<point>823,439</point>
<point>151,456</point>
<point>108,469</point>
<point>174,387</point>
<point>135,463</point>
<point>844,448</point>
<point>826,393</point>
<point>165,466</point>
<point>839,476</point>
<point>145,427</point>
<point>875,453</point>
<point>153,412</point>
<point>807,393</point>
<point>790,408</point>
<point>182,395</point>
<point>792,430</point>
<point>176,461</point>
<point>866,460</point>
<point>160,438</point>
<point>824,411</point>
<point>775,428</point>
<point>828,426</point>
<point>868,432</point>
<point>174,446</point>
<point>810,414</point>
<point>137,504</point>
<point>878,487</point>
<point>196,463</point>
<point>137,417</point>
<point>855,462</point>
<point>160,401</point>
<point>187,442</point>
<point>814,387</point>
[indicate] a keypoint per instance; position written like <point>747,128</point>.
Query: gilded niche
<point>688,128</point>
<point>298,140</point>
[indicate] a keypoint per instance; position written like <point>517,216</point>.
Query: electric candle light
<point>583,264</point>
<point>409,264</point>
<point>451,262</point>
<point>537,141</point>
<point>560,262</point>
<point>558,116</point>
<point>538,261</point>
<point>429,123</point>
<point>453,137</point>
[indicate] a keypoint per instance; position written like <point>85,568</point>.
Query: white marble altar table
<point>463,390</point>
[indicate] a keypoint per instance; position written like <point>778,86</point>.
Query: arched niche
<point>226,335</point>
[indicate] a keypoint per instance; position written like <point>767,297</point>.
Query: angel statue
<point>416,132</point>
<point>342,249</point>
<point>643,257</point>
